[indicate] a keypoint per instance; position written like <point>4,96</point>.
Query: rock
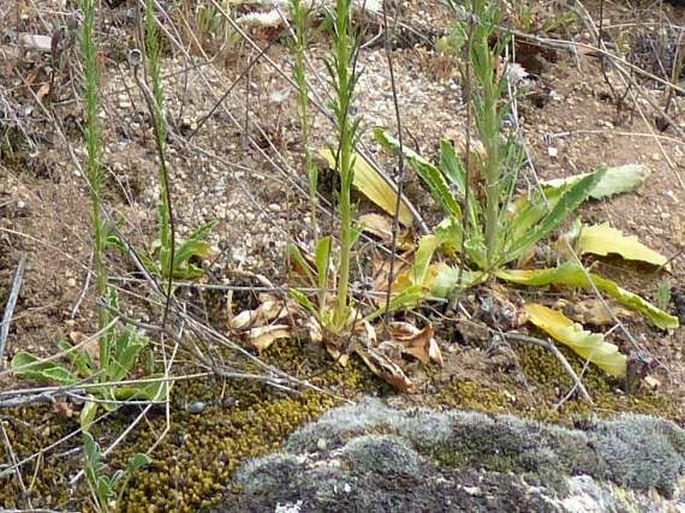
<point>372,458</point>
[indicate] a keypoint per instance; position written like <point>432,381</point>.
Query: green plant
<point>124,348</point>
<point>206,25</point>
<point>331,276</point>
<point>489,228</point>
<point>168,258</point>
<point>301,15</point>
<point>156,105</point>
<point>663,294</point>
<point>171,262</point>
<point>106,492</point>
<point>485,184</point>
<point>341,68</point>
<point>118,348</point>
<point>186,257</point>
<point>94,173</point>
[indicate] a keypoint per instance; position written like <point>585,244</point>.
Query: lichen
<point>340,463</point>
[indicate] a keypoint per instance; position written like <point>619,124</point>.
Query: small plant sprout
<point>663,294</point>
<point>105,491</point>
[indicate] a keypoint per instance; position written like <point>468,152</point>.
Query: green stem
<point>486,101</point>
<point>94,171</point>
<point>344,80</point>
<point>300,21</point>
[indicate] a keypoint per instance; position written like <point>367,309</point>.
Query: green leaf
<point>615,180</point>
<point>449,234</point>
<point>91,449</point>
<point>104,491</point>
<point>569,201</point>
<point>410,287</point>
<point>428,244</point>
<point>195,246</point>
<point>572,275</point>
<point>146,391</point>
<point>149,263</point>
<point>454,170</point>
<point>590,346</point>
<point>322,257</point>
<point>453,167</point>
<point>44,371</point>
<point>137,461</point>
<point>116,242</point>
<point>124,354</point>
<point>189,249</point>
<point>660,318</point>
<point>302,266</point>
<point>88,413</point>
<point>114,480</point>
<point>79,358</point>
<point>407,298</point>
<point>431,175</point>
<point>446,280</point>
<point>302,300</point>
<point>527,210</point>
<point>113,298</point>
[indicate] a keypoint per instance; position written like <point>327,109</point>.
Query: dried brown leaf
<point>418,343</point>
<point>387,370</point>
<point>271,308</point>
<point>262,337</point>
<point>381,226</point>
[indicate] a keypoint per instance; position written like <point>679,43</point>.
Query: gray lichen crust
<point>369,457</point>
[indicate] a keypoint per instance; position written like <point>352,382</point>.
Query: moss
<point>203,450</point>
<point>194,461</point>
<point>242,419</point>
<point>546,385</point>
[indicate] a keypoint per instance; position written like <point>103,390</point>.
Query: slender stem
<point>165,208</point>
<point>486,103</point>
<point>94,171</point>
<point>301,15</point>
<point>400,163</point>
<point>344,79</point>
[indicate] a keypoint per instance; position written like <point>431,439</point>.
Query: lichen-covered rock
<point>372,458</point>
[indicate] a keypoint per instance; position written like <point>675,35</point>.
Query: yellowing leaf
<point>570,274</point>
<point>373,186</point>
<point>602,239</point>
<point>586,344</point>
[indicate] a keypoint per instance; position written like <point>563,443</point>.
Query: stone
<point>378,459</point>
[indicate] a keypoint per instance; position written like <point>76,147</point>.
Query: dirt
<point>251,181</point>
